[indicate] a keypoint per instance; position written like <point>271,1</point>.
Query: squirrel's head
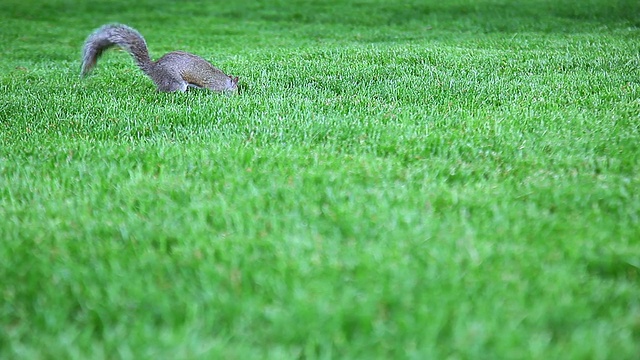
<point>233,83</point>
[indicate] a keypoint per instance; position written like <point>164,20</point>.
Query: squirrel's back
<point>196,71</point>
<point>175,71</point>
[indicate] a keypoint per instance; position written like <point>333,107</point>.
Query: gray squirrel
<point>175,71</point>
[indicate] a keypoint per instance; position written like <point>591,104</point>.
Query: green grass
<point>417,179</point>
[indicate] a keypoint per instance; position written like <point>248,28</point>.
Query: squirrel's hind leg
<point>169,82</point>
<point>172,86</point>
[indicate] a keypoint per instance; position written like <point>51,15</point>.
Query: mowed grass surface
<point>418,179</point>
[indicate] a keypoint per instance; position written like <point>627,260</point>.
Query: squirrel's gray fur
<point>175,71</point>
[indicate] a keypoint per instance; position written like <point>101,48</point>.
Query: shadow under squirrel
<point>175,71</point>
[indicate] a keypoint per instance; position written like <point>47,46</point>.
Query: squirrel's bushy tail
<point>109,36</point>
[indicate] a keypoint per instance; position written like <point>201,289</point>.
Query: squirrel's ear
<point>235,80</point>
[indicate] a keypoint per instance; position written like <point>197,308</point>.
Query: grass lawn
<point>396,180</point>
